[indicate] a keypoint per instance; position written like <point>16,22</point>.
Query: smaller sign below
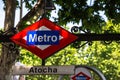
<point>43,70</point>
<point>81,74</point>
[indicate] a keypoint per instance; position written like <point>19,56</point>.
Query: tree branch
<point>34,13</point>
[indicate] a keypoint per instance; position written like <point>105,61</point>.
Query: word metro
<point>43,37</point>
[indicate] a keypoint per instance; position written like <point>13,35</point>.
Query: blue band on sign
<point>81,78</point>
<point>43,37</point>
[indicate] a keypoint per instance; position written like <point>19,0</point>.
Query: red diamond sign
<point>44,38</point>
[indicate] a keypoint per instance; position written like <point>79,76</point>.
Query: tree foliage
<point>88,11</point>
<point>106,58</point>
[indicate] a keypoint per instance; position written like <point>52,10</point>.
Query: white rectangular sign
<point>43,70</point>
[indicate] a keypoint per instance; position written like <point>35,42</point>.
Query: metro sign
<point>44,38</point>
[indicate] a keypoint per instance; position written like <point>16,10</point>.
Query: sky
<point>1,15</point>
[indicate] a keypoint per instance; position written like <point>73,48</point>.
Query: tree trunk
<point>9,52</point>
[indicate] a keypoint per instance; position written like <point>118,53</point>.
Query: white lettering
<point>40,38</point>
<point>33,38</point>
<point>45,37</point>
<point>48,38</point>
<point>54,38</point>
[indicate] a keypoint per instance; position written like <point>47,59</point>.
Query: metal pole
<point>43,62</point>
<point>98,37</point>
